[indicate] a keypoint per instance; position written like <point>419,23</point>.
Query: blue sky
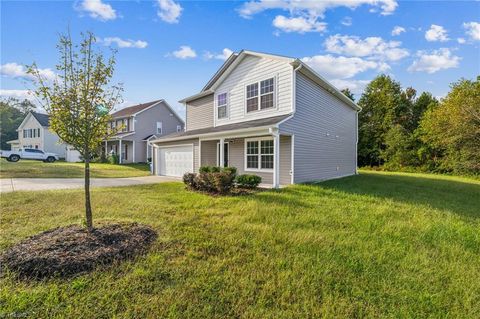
<point>169,49</point>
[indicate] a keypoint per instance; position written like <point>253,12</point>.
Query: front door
<point>225,154</point>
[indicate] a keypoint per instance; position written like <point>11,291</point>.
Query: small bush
<point>248,180</point>
<point>113,159</point>
<point>211,179</point>
<point>223,181</point>
<point>189,180</point>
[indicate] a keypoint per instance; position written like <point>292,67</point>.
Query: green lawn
<point>39,169</point>
<point>374,245</point>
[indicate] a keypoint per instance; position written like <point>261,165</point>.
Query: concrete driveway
<point>40,184</point>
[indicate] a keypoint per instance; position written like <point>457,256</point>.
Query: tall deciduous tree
<point>454,127</point>
<point>348,94</point>
<point>380,108</point>
<point>80,99</point>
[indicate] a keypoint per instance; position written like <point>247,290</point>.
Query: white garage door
<point>175,161</point>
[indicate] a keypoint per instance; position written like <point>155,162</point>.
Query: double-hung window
<point>259,154</point>
<point>260,99</point>
<point>222,106</point>
<point>159,128</point>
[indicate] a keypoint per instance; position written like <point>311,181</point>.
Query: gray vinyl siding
<point>199,113</point>
<point>209,153</point>
<point>196,150</point>
<point>145,125</point>
<point>285,160</point>
<point>324,130</point>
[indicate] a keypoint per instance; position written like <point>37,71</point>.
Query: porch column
<point>276,160</point>
<point>222,152</point>
<point>106,150</point>
<point>133,150</point>
<point>120,151</point>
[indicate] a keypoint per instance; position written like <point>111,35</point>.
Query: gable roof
<point>43,119</point>
<point>236,58</point>
<point>131,110</point>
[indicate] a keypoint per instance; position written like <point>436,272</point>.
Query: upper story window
<point>125,125</point>
<point>222,105</point>
<point>265,99</point>
<point>179,128</point>
<point>159,127</point>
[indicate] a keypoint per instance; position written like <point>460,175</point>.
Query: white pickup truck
<point>29,153</point>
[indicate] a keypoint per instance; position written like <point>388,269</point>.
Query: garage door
<point>175,161</point>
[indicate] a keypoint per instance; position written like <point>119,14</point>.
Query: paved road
<point>40,184</point>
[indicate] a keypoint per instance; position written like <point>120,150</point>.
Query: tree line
<point>400,130</point>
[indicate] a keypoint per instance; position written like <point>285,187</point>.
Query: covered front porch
<point>125,149</point>
<point>268,156</point>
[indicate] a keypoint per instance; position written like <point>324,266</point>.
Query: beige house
<point>34,132</point>
<point>138,125</point>
<point>268,115</point>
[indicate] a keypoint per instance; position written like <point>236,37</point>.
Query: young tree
<point>80,99</point>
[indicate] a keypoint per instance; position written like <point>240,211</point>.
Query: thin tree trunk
<point>88,207</point>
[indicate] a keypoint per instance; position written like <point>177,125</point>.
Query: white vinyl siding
<point>325,134</point>
<point>252,70</point>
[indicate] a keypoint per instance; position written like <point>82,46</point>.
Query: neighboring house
<point>267,115</point>
<point>34,132</point>
<point>137,125</point>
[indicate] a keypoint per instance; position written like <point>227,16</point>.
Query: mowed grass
<point>374,245</point>
<point>39,169</point>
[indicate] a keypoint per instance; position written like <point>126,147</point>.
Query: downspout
<point>294,106</point>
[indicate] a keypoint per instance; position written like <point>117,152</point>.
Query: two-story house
<point>137,125</point>
<point>34,132</point>
<point>268,115</point>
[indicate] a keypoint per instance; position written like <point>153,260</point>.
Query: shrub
<point>248,180</point>
<point>223,181</point>
<point>113,159</point>
<point>189,180</point>
<point>211,179</point>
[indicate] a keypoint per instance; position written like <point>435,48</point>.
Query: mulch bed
<point>66,251</point>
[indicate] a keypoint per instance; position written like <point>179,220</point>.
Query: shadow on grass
<point>462,198</point>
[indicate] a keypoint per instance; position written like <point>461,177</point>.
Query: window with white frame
<point>125,126</point>
<point>159,127</point>
<point>179,128</point>
<point>222,106</point>
<point>259,154</point>
<point>260,100</point>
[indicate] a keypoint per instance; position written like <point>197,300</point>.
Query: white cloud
<point>184,52</point>
<point>397,30</point>
<point>355,86</point>
<point>15,70</point>
<point>473,30</point>
<point>98,10</point>
<point>334,68</point>
<point>305,14</point>
<point>347,21</point>
<point>435,61</point>
<point>121,43</point>
<point>436,33</point>
<point>298,24</point>
<point>18,94</point>
<point>461,40</point>
<point>221,56</point>
<point>169,11</point>
<point>374,47</point>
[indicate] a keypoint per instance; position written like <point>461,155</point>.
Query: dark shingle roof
<point>43,119</point>
<point>229,127</point>
<point>133,109</point>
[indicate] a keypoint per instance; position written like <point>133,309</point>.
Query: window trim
<point>227,106</point>
<point>161,128</point>
<point>259,100</point>
<point>259,140</point>
<point>179,128</point>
